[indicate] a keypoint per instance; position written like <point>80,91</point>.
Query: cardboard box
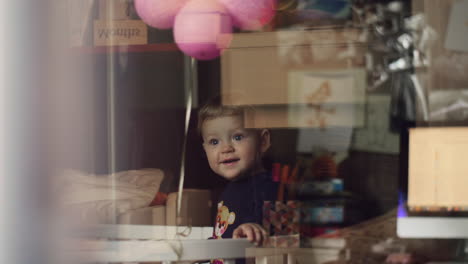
<point>261,66</point>
<point>304,116</point>
<point>120,32</point>
<point>438,167</point>
<point>195,208</point>
<point>276,70</point>
<point>155,215</point>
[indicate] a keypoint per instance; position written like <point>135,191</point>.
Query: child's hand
<point>253,232</point>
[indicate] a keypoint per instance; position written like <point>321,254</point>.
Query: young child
<point>235,153</point>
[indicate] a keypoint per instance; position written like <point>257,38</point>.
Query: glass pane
<point>336,128</point>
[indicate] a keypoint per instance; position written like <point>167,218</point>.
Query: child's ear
<point>264,140</point>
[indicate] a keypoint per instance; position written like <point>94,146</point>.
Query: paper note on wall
<point>333,86</point>
<point>327,98</point>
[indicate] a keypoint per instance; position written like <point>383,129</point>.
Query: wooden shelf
<point>160,47</point>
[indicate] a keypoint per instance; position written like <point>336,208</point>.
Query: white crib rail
<point>166,251</point>
<point>136,243</point>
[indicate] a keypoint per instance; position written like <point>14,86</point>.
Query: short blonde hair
<point>214,109</point>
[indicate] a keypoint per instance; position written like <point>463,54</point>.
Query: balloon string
<point>188,111</point>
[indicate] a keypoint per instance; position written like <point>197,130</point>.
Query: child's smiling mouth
<point>230,161</point>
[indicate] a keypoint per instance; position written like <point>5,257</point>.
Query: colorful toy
<point>159,13</point>
<point>202,29</point>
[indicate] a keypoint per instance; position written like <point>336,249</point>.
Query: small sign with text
<point>120,32</point>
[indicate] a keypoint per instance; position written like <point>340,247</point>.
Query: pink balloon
<point>203,29</point>
<point>159,13</point>
<point>250,14</point>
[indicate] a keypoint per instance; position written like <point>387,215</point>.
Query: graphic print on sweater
<point>224,218</point>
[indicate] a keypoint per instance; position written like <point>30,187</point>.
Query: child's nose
<point>227,148</point>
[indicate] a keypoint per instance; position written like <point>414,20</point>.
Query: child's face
<point>232,150</point>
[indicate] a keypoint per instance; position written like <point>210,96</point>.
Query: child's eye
<point>238,137</point>
<point>213,142</point>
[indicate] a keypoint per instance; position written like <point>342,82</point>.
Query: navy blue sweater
<point>242,202</point>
